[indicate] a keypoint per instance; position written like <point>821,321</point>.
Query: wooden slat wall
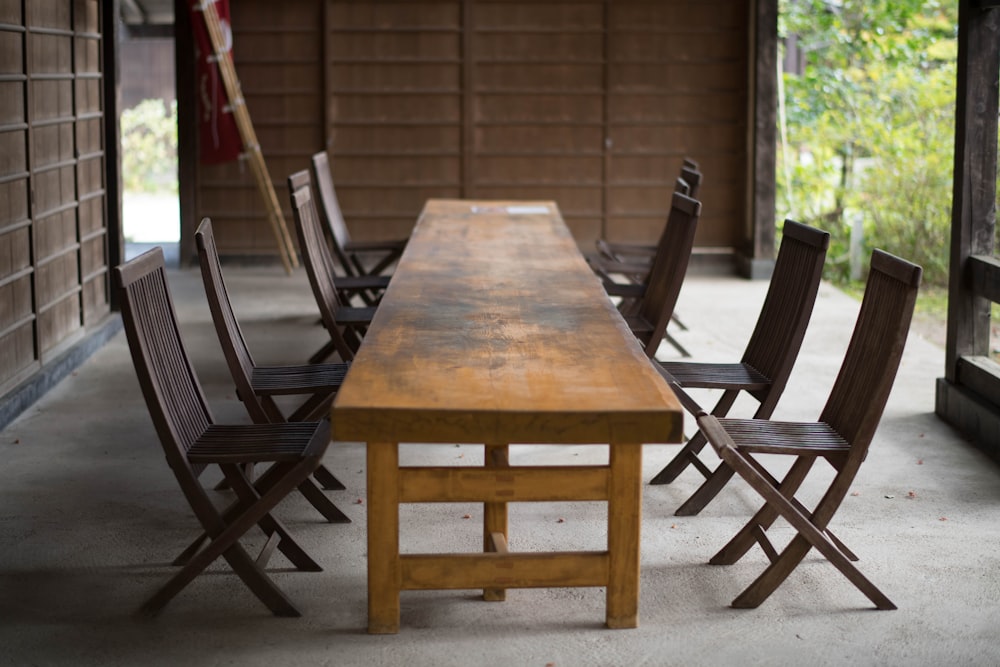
<point>395,101</point>
<point>53,229</point>
<point>593,103</point>
<point>277,49</point>
<point>677,87</point>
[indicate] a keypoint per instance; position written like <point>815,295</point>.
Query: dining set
<point>488,326</point>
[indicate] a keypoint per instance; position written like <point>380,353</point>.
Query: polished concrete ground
<point>90,517</point>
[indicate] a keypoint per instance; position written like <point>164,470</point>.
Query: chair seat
<point>301,379</point>
<point>761,436</point>
<point>254,443</point>
<point>372,246</point>
<point>716,375</point>
<point>355,314</point>
<point>361,282</point>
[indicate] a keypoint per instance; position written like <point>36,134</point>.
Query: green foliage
<point>870,128</point>
<point>149,147</point>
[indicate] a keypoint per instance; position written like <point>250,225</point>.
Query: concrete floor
<point>90,517</point>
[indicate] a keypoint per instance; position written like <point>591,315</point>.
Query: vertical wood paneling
<point>395,100</point>
<point>51,145</point>
<point>677,87</point>
<point>593,103</point>
<point>277,54</point>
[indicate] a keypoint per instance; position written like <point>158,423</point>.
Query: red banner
<point>218,134</point>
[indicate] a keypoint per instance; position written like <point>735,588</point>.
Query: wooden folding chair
<point>656,299</point>
<point>769,356</point>
<point>348,282</point>
<point>344,324</point>
<point>257,386</point>
<point>350,252</point>
<point>191,441</point>
<point>841,437</point>
<point>688,183</point>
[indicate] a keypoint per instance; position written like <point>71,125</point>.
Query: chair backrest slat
<point>227,327</point>
<point>666,274</point>
<point>791,295</point>
<point>866,376</point>
<point>317,259</point>
<point>169,384</point>
<point>335,223</point>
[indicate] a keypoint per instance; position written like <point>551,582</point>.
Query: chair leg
<point>809,535</point>
<point>749,535</point>
<point>675,344</point>
<point>706,492</point>
<point>327,479</point>
<point>323,504</point>
<point>688,454</point>
<point>225,543</point>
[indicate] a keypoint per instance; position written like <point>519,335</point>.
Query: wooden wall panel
<point>677,87</point>
<point>592,103</point>
<point>51,145</point>
<point>278,59</point>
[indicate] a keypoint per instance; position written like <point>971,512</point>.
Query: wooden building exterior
<point>968,396</point>
<point>56,206</point>
<point>592,103</point>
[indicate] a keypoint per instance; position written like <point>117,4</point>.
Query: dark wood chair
<point>257,386</point>
<point>688,183</point>
<point>345,324</point>
<point>840,437</point>
<point>768,358</point>
<point>656,300</point>
<point>191,441</point>
<point>630,263</point>
<point>351,253</point>
<point>347,281</point>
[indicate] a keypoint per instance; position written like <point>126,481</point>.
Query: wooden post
<point>225,62</point>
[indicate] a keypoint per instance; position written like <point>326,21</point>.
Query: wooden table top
<point>495,330</point>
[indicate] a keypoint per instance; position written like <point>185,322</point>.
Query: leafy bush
<point>870,129</point>
<point>149,147</point>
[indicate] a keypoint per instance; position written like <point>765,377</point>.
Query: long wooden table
<point>495,331</point>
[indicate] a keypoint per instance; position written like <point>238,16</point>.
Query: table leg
<point>624,519</point>
<point>384,568</point>
<point>495,515</point>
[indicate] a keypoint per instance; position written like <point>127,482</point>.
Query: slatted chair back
<point>234,346</point>
<point>841,436</point>
<point>866,376</point>
<point>692,176</point>
<point>169,384</point>
<point>336,225</point>
<point>781,325</point>
<point>318,261</point>
<point>666,275</point>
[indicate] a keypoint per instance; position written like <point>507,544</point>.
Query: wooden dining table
<point>494,331</point>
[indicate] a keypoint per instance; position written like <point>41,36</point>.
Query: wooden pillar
<point>187,131</point>
<point>757,257</point>
<point>974,203</point>
<point>969,394</point>
<point>110,71</point>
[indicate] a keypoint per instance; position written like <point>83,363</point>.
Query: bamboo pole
<point>235,94</point>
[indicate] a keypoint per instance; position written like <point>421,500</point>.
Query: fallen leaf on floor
<point>673,525</point>
<point>911,494</point>
<point>466,516</point>
<point>359,501</point>
<point>944,518</point>
<point>920,462</point>
<point>856,494</point>
<point>890,497</point>
<point>921,435</point>
<point>560,520</point>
